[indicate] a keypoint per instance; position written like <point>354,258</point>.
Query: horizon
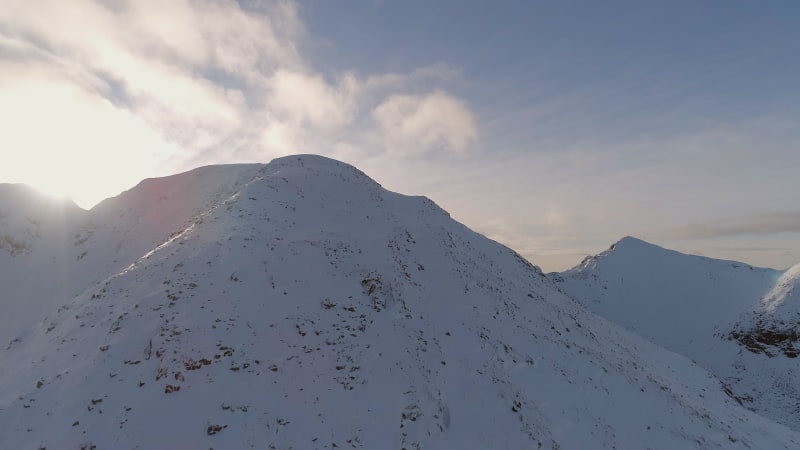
<point>554,129</point>
<point>576,264</point>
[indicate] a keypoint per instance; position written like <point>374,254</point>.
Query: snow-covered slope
<point>51,250</point>
<point>773,328</point>
<point>300,305</point>
<point>737,321</point>
<point>36,264</point>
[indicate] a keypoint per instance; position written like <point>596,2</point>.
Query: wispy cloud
<point>416,123</point>
<point>308,99</point>
<point>171,85</point>
<point>771,223</point>
<point>556,203</point>
<point>569,147</point>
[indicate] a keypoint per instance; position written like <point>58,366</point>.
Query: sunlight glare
<point>70,144</point>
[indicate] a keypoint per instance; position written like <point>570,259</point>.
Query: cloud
<point>280,138</point>
<point>219,34</point>
<point>415,123</point>
<point>166,86</point>
<point>184,68</point>
<point>195,35</point>
<point>762,224</point>
<point>309,99</point>
<point>427,74</point>
<point>67,141</point>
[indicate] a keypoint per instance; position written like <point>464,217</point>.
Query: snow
<point>780,296</point>
<point>36,270</point>
<point>298,304</point>
<point>712,311</point>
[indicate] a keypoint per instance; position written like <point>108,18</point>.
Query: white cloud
<point>280,138</point>
<point>164,61</point>
<point>416,123</point>
<point>69,142</point>
<point>435,72</point>
<point>124,90</point>
<point>768,223</point>
<point>129,90</point>
<point>309,99</point>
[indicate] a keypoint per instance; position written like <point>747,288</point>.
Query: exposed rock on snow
<point>742,323</point>
<point>298,304</point>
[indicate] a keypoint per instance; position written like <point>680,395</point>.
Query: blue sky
<point>553,127</point>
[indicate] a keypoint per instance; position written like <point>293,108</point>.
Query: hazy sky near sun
<point>553,127</point>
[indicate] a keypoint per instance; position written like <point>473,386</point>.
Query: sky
<point>555,128</point>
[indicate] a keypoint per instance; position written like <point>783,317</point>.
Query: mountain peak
<point>27,216</point>
<point>703,308</point>
<point>322,168</point>
<point>23,196</point>
<point>255,303</point>
<point>627,248</point>
<point>631,240</point>
<point>308,159</point>
<point>628,243</point>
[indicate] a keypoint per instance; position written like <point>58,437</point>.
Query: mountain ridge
<point>716,312</point>
<point>629,244</point>
<point>301,305</point>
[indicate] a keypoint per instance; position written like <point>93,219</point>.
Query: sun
<point>78,146</point>
<point>84,183</point>
<point>58,185</point>
<point>53,190</point>
<point>86,186</point>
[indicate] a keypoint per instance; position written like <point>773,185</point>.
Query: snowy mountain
<point>36,265</point>
<point>773,328</point>
<point>739,322</point>
<point>298,304</point>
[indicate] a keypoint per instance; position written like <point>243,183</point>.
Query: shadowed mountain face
<point>740,322</point>
<point>27,217</point>
<point>298,304</point>
<point>36,266</point>
<point>773,328</point>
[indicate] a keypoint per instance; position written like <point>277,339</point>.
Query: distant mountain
<point>51,250</point>
<point>298,304</point>
<point>27,217</point>
<point>773,327</point>
<point>742,323</point>
<point>36,266</point>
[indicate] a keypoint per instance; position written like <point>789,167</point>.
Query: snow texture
<point>298,304</point>
<point>739,322</point>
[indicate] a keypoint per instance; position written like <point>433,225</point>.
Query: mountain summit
<point>739,322</point>
<point>298,304</point>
